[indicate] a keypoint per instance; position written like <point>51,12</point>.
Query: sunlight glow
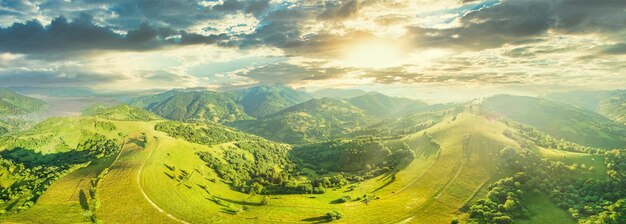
<point>373,55</point>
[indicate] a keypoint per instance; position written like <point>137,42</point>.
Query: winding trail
<point>464,159</point>
<point>145,162</point>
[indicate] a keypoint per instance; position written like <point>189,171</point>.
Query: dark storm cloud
<point>82,34</point>
<point>511,21</point>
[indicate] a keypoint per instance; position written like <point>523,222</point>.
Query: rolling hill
<point>263,100</point>
<point>12,104</point>
<point>314,120</point>
<point>150,101</point>
<point>611,104</point>
<point>382,106</point>
<point>558,119</point>
<point>200,105</point>
<point>122,112</point>
<point>434,167</point>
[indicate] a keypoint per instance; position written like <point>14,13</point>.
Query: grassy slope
<point>559,120</point>
<point>542,210</point>
<point>120,191</point>
<point>431,189</point>
<point>62,202</point>
<point>419,192</point>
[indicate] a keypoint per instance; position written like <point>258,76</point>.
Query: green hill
<point>558,119</point>
<point>381,106</point>
<point>314,120</point>
<point>611,104</point>
<point>4,128</point>
<point>31,161</point>
<point>122,112</point>
<point>200,105</point>
<point>401,126</point>
<point>368,157</point>
<point>263,100</point>
<point>461,164</point>
<point>15,104</point>
<point>150,101</point>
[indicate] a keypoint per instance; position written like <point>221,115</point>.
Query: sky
<point>435,50</point>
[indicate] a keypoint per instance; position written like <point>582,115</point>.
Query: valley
<point>131,165</point>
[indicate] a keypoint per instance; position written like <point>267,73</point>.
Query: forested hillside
<point>558,119</point>
<point>260,101</point>
<point>15,104</point>
<point>314,120</point>
<point>200,105</point>
<point>381,106</point>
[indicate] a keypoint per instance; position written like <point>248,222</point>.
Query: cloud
<point>511,21</point>
<point>72,78</point>
<point>616,49</point>
<point>340,10</point>
<point>290,73</point>
<point>64,37</point>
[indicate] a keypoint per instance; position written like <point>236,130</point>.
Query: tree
<point>503,219</point>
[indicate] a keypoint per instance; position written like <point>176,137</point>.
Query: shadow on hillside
<point>138,142</point>
<point>319,219</point>
<point>238,202</point>
<point>30,158</point>
<point>228,211</point>
<point>12,205</point>
<point>390,177</point>
<point>82,198</point>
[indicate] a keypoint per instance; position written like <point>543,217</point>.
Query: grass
<point>120,192</point>
<point>456,159</point>
<point>431,189</point>
<point>542,210</point>
<point>63,199</point>
<point>569,158</point>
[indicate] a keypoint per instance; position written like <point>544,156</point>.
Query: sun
<point>373,54</point>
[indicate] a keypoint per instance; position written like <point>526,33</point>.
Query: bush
<point>334,215</point>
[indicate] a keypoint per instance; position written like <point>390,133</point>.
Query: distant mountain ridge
<point>611,104</point>
<point>200,105</point>
<point>260,101</point>
<point>12,104</point>
<point>382,106</point>
<point>558,119</point>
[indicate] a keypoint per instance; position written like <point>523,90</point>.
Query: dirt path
<point>144,193</point>
<point>122,198</point>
